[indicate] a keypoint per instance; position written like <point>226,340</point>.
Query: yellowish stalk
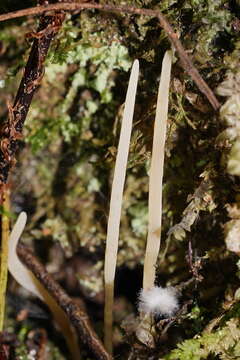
<point>4,256</point>
<point>116,205</point>
<point>156,176</point>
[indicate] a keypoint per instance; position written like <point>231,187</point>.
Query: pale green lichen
<point>230,113</point>
<point>95,64</point>
<point>232,228</point>
<point>139,214</point>
<point>232,240</point>
<point>89,282</point>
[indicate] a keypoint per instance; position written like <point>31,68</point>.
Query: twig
<point>173,37</point>
<point>11,130</point>
<point>77,316</point>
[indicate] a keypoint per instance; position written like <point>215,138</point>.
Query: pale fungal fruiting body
<point>156,175</point>
<point>27,280</point>
<point>116,205</point>
<point>158,301</point>
<point>15,267</point>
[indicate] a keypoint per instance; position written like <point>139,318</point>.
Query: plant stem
<point>4,256</point>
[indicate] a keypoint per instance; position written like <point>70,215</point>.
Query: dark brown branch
<point>185,61</point>
<point>77,316</point>
<point>11,130</point>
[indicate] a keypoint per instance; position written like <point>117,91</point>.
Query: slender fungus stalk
<point>16,268</point>
<point>26,279</point>
<point>116,205</point>
<point>156,176</point>
<point>4,255</point>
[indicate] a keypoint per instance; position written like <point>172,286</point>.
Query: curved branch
<point>173,37</point>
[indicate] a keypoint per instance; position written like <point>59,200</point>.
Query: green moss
<point>211,19</point>
<point>223,342</point>
<point>65,168</point>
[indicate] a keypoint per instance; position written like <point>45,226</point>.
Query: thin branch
<point>173,37</point>
<point>77,316</point>
<point>11,131</point>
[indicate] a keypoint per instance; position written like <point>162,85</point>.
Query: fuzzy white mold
<point>158,301</point>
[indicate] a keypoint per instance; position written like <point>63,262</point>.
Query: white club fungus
<point>116,205</point>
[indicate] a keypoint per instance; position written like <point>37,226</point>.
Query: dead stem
<point>77,316</point>
<point>11,131</point>
<point>173,37</point>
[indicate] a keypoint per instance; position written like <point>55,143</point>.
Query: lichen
<point>95,63</point>
<point>65,165</point>
<point>230,112</point>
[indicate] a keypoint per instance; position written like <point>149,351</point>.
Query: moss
<point>65,164</point>
<point>223,342</point>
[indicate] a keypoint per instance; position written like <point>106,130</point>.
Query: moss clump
<point>223,342</point>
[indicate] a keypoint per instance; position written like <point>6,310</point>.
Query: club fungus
<point>26,279</point>
<point>116,205</point>
<point>156,176</point>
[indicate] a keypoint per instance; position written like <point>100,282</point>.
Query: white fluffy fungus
<point>158,301</point>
